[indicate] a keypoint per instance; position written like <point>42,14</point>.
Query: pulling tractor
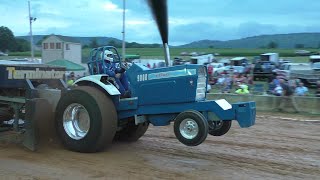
<point>91,114</point>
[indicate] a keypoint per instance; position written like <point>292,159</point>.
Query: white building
<point>61,47</point>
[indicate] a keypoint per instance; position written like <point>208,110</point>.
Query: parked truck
<point>265,65</point>
<point>308,73</point>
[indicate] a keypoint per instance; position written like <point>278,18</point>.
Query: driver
<point>117,73</point>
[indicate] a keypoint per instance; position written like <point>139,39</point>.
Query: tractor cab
<point>97,59</point>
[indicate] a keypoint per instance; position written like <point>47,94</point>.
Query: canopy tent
<point>69,65</point>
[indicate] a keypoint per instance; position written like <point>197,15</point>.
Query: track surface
<point>277,147</point>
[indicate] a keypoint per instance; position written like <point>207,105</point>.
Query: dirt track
<point>275,148</point>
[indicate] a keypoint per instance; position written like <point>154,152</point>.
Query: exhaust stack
<point>167,54</point>
<point>160,13</point>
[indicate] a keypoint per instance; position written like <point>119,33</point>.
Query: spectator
<point>220,80</point>
<point>318,89</point>
<point>287,96</point>
<point>301,90</point>
<point>242,88</point>
<point>273,84</point>
<point>249,80</point>
<point>242,78</point>
<point>227,84</point>
<point>71,79</point>
<point>278,91</point>
<point>287,90</point>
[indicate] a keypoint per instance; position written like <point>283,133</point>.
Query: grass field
<point>158,53</point>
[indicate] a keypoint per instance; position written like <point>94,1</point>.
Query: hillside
<point>308,40</point>
<point>286,41</point>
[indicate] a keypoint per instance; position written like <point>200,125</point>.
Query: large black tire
<point>219,128</point>
<point>132,132</point>
<point>196,118</point>
<point>103,119</point>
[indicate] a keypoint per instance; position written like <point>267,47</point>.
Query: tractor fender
<point>96,79</point>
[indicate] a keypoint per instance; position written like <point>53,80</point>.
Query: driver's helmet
<point>108,55</point>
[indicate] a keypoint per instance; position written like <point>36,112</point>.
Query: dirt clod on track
<point>277,147</point>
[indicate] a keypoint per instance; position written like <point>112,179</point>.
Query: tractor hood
<point>184,83</point>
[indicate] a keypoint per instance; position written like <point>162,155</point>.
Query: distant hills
<point>287,41</point>
<point>82,40</point>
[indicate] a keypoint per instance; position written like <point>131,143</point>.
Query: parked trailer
<point>28,92</point>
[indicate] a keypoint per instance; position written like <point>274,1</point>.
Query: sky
<point>189,20</point>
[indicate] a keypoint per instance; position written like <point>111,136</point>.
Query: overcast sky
<point>189,20</point>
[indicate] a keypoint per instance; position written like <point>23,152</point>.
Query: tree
<point>94,43</point>
<point>7,40</point>
<point>272,45</point>
<point>114,43</point>
<point>39,43</point>
<point>85,46</point>
<point>22,45</point>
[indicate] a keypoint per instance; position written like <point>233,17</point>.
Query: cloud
<point>190,20</point>
<point>109,6</point>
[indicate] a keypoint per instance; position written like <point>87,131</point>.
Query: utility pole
<point>123,32</point>
<point>31,19</point>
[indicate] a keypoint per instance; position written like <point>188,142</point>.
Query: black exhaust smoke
<point>160,13</point>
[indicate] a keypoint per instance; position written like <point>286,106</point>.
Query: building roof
<point>315,57</point>
<point>66,38</point>
<point>69,65</point>
<point>238,58</point>
<point>269,54</point>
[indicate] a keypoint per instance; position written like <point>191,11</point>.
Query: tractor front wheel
<point>191,128</point>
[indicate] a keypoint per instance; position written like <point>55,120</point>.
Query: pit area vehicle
<point>308,73</point>
<point>28,94</point>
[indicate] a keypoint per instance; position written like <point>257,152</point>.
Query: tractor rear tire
<point>219,128</point>
<point>191,128</point>
<point>96,110</point>
<point>132,132</point>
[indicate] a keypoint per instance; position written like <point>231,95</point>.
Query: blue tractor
<point>93,114</point>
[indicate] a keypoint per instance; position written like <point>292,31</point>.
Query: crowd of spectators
<point>243,84</point>
<point>282,87</point>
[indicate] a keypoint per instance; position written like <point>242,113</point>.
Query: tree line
<point>9,43</point>
<point>94,44</point>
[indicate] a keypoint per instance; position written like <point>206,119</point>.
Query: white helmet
<point>108,55</point>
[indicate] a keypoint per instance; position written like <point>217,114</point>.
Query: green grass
<point>25,54</point>
<point>223,52</point>
<point>158,53</point>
